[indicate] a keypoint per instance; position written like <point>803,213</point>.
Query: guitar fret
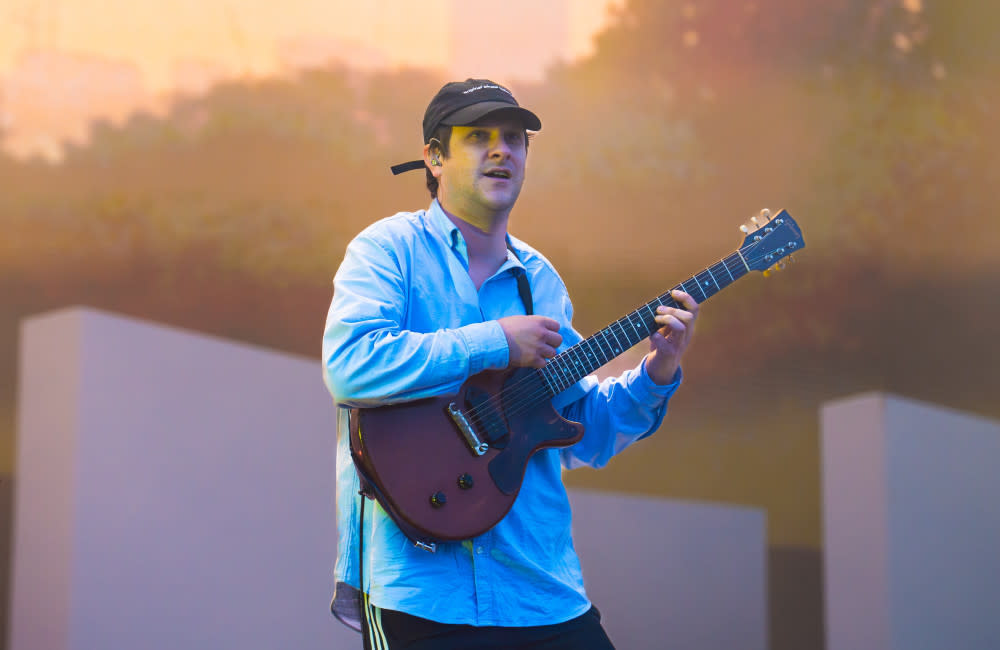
<point>641,330</point>
<point>738,267</point>
<point>567,372</point>
<point>626,333</point>
<point>620,349</point>
<point>567,369</point>
<point>709,271</point>
<point>548,382</point>
<point>591,355</point>
<point>742,259</point>
<point>595,353</point>
<point>621,330</point>
<point>652,326</point>
<point>556,376</point>
<point>564,378</point>
<point>553,379</point>
<point>603,345</point>
<point>704,296</point>
<point>578,354</point>
<point>573,356</point>
<point>705,286</point>
<point>608,341</point>
<point>726,266</point>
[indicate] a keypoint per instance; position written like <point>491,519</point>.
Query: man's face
<point>485,169</point>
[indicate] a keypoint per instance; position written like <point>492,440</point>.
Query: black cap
<point>463,102</point>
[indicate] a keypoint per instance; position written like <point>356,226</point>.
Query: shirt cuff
<point>644,387</point>
<point>487,346</point>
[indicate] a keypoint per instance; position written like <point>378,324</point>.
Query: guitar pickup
<point>477,446</point>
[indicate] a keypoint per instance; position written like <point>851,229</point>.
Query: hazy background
<point>204,164</point>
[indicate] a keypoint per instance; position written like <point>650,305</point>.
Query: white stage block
<point>672,574</point>
<point>911,526</point>
<point>175,490</point>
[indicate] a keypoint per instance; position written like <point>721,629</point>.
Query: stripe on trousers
<point>375,633</point>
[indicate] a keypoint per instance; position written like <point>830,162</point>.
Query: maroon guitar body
<point>426,474</point>
<point>449,468</point>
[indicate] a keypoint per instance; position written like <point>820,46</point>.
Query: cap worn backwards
<point>463,102</point>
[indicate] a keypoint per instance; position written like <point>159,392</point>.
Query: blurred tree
<point>871,120</point>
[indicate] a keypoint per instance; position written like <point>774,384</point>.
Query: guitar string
<point>509,393</point>
<point>522,402</point>
<point>535,397</point>
<point>529,400</point>
<point>532,399</point>
<point>534,388</point>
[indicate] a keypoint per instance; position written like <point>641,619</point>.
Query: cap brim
<point>470,114</point>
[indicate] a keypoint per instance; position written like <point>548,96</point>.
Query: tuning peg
<point>744,229</point>
<point>771,270</point>
<point>766,214</point>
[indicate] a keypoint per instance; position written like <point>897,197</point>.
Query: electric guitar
<point>449,468</point>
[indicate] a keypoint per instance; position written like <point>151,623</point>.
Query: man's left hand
<point>667,344</point>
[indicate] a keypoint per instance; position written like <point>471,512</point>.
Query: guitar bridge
<point>477,446</point>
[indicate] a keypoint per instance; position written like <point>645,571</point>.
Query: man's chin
<point>501,200</point>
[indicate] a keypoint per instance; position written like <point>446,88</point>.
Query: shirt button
<point>479,550</point>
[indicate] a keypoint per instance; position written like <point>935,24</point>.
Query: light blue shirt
<point>407,322</point>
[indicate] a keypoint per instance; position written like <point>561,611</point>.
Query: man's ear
<point>432,158</point>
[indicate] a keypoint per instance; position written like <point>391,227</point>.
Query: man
<point>422,301</point>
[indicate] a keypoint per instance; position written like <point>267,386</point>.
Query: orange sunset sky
<point>65,62</point>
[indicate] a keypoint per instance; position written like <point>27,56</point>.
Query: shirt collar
<point>450,233</point>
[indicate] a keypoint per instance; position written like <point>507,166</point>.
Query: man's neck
<point>485,239</point>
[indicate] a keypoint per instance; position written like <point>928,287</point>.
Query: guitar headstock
<point>770,239</point>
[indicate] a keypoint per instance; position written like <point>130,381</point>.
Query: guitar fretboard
<point>575,363</point>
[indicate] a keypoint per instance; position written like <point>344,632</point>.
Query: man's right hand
<point>531,339</point>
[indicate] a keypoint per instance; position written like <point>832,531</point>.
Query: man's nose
<point>500,147</point>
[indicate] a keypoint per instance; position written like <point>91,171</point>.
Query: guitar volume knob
<point>465,481</point>
<point>438,499</point>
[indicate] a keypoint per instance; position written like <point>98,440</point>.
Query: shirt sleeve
<point>370,359</point>
<point>614,412</point>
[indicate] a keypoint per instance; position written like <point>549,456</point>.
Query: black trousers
<point>392,630</point>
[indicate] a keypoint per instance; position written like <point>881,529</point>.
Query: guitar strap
<point>523,286</point>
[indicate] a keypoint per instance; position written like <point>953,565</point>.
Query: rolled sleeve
<point>487,345</point>
<point>646,390</point>
<point>616,413</point>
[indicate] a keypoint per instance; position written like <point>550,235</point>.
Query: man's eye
<point>477,135</point>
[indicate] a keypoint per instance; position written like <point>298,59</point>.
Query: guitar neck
<point>578,361</point>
